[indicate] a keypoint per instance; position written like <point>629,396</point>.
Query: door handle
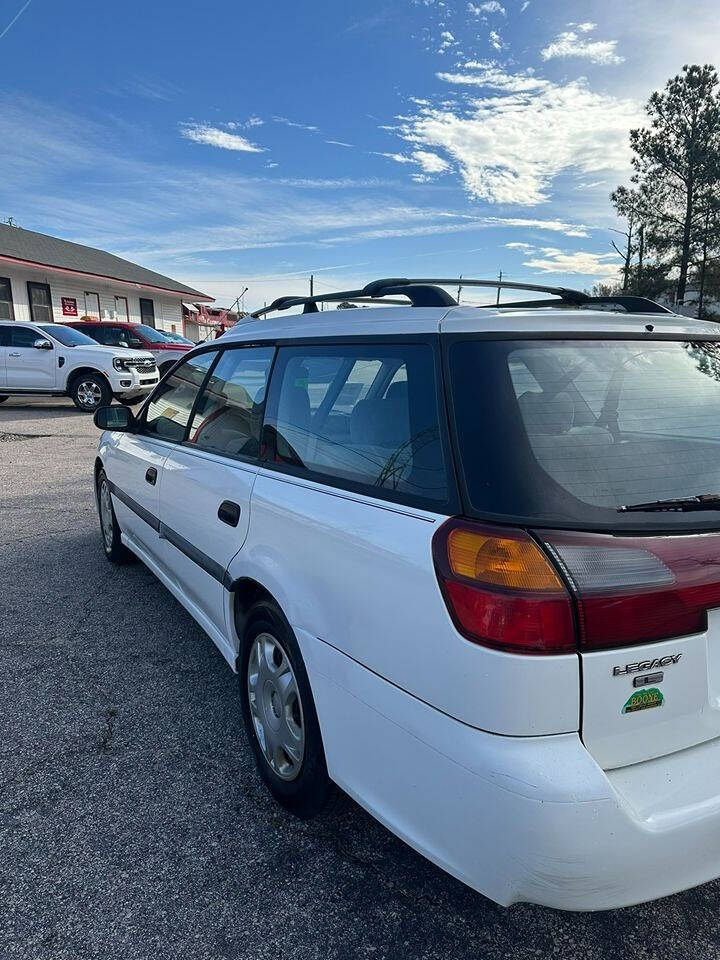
<point>14,354</point>
<point>229,513</point>
<point>151,475</point>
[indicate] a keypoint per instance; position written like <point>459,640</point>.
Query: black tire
<point>4,397</point>
<point>88,391</point>
<point>311,791</point>
<point>115,550</point>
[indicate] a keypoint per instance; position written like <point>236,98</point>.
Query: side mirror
<point>114,418</point>
<point>42,344</point>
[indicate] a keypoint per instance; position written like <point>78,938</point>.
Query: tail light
<point>502,590</point>
<point>638,589</point>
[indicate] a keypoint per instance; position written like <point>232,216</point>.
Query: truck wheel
<point>90,391</point>
<point>279,715</point>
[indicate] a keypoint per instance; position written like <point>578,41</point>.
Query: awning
<point>191,307</point>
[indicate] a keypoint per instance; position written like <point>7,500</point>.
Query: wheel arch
<point>246,593</point>
<point>82,372</point>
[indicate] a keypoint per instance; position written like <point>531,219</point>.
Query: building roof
<point>38,249</point>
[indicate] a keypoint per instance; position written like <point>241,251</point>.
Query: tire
<point>115,550</point>
<point>4,397</point>
<point>278,708</point>
<point>90,391</point>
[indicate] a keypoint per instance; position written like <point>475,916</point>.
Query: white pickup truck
<point>51,359</point>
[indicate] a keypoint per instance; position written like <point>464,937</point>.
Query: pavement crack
<point>109,716</point>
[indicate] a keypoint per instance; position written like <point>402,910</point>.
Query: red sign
<point>69,306</point>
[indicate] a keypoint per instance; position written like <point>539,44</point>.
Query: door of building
<point>147,312</point>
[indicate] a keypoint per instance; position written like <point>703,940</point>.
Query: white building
<point>44,278</point>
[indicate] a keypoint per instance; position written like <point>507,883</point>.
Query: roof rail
<point>429,293</point>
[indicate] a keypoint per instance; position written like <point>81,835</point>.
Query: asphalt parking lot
<point>132,823</point>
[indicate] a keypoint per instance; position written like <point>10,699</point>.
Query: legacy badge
<point>643,665</point>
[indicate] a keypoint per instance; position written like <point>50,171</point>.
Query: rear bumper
<point>530,819</point>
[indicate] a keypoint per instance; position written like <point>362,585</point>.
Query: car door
<point>208,480</point>
<point>28,367</point>
<point>136,460</point>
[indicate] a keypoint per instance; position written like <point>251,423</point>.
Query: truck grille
<point>141,364</point>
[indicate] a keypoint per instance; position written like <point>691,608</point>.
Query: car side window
<point>364,415</point>
<point>24,337</point>
<point>4,336</point>
<point>228,415</point>
<point>167,415</point>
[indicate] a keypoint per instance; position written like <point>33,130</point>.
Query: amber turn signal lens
<point>501,562</point>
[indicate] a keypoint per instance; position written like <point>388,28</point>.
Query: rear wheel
<point>279,714</point>
<point>115,549</point>
<point>90,391</point>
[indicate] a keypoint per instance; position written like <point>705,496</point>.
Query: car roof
<point>384,321</point>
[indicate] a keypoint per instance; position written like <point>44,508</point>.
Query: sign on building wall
<point>69,306</point>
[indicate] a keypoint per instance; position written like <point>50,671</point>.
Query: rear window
<point>566,432</point>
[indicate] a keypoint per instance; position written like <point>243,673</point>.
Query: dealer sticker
<point>644,700</point>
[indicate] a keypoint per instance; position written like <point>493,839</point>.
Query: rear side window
<point>228,416</point>
<point>168,413</point>
<point>569,431</point>
<point>366,416</point>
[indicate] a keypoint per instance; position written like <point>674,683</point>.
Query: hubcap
<point>89,393</point>
<point>275,707</point>
<point>106,518</point>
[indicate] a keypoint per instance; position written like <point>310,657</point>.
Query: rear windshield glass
<point>560,432</point>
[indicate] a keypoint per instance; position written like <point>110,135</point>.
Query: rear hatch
<point>607,453</point>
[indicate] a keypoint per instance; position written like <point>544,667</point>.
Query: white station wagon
<point>466,564</point>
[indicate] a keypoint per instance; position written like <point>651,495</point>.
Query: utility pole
<point>312,285</point>
<point>459,289</point>
<point>497,301</point>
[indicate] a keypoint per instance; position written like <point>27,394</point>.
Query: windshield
<point>566,432</point>
<point>66,335</point>
<point>150,333</point>
<point>176,338</point>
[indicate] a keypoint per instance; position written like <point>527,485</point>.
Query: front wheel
<point>90,391</point>
<point>115,549</point>
<point>279,715</point>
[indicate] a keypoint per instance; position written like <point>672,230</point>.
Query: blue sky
<point>249,144</point>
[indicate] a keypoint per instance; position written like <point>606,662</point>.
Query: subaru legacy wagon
<point>465,562</point>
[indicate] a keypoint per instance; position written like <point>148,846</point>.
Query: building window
<point>6,301</point>
<point>41,310</point>
<point>147,312</point>
<point>92,304</point>
<point>121,309</point>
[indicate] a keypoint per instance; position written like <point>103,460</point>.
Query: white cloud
<point>586,27</point>
<point>552,260</point>
<point>447,41</point>
<point>511,144</point>
<point>298,126</point>
<point>525,247</point>
<point>340,143</point>
<point>254,121</point>
<point>492,6</point>
<point>430,162</point>
<point>494,77</point>
<point>571,44</point>
<point>495,40</point>
<point>525,5</point>
<point>215,137</point>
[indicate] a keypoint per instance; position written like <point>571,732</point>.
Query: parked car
<point>466,564</point>
<point>51,359</point>
<point>137,336</point>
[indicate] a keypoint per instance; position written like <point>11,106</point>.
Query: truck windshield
<point>66,335</point>
<point>151,334</point>
<point>566,432</point>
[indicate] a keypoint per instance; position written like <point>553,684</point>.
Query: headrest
<point>543,413</point>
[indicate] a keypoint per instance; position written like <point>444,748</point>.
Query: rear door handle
<point>151,475</point>
<point>14,354</point>
<point>229,513</point>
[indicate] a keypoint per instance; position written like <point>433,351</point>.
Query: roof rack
<point>429,293</point>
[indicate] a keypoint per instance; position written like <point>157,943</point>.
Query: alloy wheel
<point>89,393</point>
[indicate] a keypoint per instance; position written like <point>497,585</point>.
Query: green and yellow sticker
<point>644,700</point>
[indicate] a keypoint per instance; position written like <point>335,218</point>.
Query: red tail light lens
<point>632,590</point>
<point>502,590</point>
